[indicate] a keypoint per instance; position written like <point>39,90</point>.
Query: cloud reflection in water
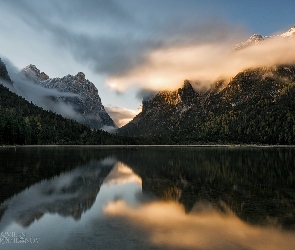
<point>168,226</point>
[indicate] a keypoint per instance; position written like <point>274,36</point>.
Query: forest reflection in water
<point>152,198</point>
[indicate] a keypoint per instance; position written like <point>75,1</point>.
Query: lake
<point>147,198</point>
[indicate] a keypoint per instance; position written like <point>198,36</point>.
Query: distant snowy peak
<point>289,33</point>
<point>257,39</point>
<point>77,84</point>
<point>254,39</point>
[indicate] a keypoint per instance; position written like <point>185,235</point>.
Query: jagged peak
<point>256,37</point>
<point>33,68</point>
<point>187,85</point>
<point>80,76</point>
<point>290,32</point>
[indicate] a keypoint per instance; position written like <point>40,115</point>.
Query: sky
<point>132,47</point>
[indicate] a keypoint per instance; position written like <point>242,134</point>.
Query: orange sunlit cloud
<point>167,68</point>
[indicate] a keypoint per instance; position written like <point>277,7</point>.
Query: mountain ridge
<point>86,103</point>
<point>254,107</point>
<point>258,39</point>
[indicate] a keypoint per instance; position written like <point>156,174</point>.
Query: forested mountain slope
<point>256,106</point>
<point>22,122</point>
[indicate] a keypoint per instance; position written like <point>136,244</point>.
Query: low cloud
<point>109,129</point>
<point>48,99</point>
<point>146,94</point>
<point>120,115</point>
<point>166,68</point>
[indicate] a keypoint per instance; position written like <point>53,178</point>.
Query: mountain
<point>161,114</point>
<point>77,99</point>
<point>23,123</point>
<point>256,106</point>
<point>256,39</point>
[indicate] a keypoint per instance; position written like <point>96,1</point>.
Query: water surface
<point>147,198</point>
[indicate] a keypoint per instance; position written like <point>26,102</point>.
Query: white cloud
<point>167,68</point>
<point>120,115</point>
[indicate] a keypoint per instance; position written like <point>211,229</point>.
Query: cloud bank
<point>119,40</point>
<point>151,49</point>
<point>166,68</point>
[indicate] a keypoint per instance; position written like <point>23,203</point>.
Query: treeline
<point>23,123</point>
<point>262,120</point>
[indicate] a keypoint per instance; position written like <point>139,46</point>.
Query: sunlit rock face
<point>84,106</point>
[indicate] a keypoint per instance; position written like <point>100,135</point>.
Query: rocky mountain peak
<point>187,93</point>
<point>81,76</point>
<point>31,67</point>
<point>289,33</point>
<point>256,39</point>
<point>187,88</point>
<point>80,100</point>
<point>34,72</point>
<point>187,85</point>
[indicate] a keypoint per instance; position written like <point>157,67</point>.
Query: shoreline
<point>149,146</point>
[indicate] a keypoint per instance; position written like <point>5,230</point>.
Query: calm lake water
<point>147,198</point>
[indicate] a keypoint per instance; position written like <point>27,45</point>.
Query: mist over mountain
<point>77,97</point>
<point>255,106</point>
<point>257,39</point>
<point>23,123</point>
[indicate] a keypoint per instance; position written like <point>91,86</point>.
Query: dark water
<point>147,198</point>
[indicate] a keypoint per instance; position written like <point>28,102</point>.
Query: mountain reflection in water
<point>161,198</point>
